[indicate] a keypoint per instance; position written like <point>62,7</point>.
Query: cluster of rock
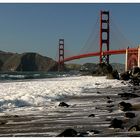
<point>130,106</point>
<point>133,75</point>
<point>70,132</point>
<point>130,103</point>
<point>101,69</point>
<point>104,69</point>
<point>92,67</point>
<point>131,119</point>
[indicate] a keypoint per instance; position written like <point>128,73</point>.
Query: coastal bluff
<point>26,62</point>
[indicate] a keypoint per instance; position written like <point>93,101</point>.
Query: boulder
<point>135,71</point>
<point>135,80</point>
<point>134,128</point>
<point>125,75</point>
<point>110,105</point>
<point>125,106</point>
<point>113,75</point>
<point>68,133</point>
<point>103,69</point>
<point>115,123</point>
<point>130,115</point>
<point>91,115</point>
<point>109,101</point>
<point>63,104</point>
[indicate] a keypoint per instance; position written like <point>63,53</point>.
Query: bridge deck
<point>110,52</point>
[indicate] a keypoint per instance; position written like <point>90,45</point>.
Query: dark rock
<point>108,97</point>
<point>125,106</point>
<point>95,131</point>
<point>130,115</point>
<point>109,101</point>
<point>100,69</point>
<point>127,95</point>
<point>91,115</point>
<point>135,71</point>
<point>134,128</point>
<point>63,104</point>
<point>115,123</point>
<point>125,75</point>
<point>103,69</point>
<point>111,105</point>
<point>68,133</point>
<point>133,74</point>
<point>16,116</point>
<point>113,75</point>
<point>3,122</point>
<point>135,80</point>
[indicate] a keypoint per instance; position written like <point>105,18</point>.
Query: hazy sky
<point>38,27</point>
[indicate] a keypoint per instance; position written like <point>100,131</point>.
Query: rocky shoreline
<point>90,115</point>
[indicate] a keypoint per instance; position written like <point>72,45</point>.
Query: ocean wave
<point>33,75</point>
<point>43,92</point>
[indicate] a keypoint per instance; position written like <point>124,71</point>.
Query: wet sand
<point>51,122</point>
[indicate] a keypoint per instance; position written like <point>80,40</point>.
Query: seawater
<point>37,94</point>
<point>34,75</point>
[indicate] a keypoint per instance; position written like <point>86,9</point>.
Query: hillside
<point>36,62</point>
<point>4,56</point>
<point>26,62</point>
<point>75,67</point>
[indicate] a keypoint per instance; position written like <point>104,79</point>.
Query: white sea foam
<point>41,93</point>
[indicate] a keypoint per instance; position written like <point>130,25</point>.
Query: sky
<point>37,27</point>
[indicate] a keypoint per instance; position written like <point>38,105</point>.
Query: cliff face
<point>28,62</point>
<point>4,56</point>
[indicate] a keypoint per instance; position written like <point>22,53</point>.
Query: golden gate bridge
<point>132,54</point>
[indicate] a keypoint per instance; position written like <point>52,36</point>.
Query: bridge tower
<point>61,55</point>
<point>104,36</point>
<point>132,58</point>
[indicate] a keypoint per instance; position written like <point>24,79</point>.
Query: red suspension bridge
<point>132,54</point>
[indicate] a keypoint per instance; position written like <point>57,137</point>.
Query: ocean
<point>34,91</point>
<point>4,76</point>
<point>30,106</point>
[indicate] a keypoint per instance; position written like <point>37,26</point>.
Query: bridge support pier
<point>132,58</point>
<point>61,55</point>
